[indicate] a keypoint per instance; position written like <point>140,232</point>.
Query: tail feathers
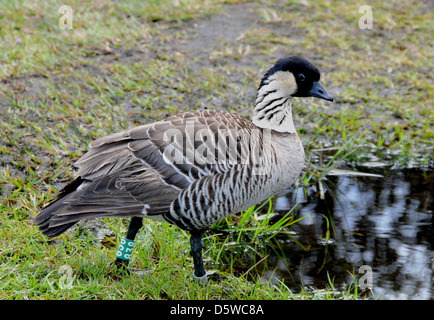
<point>52,232</point>
<point>44,218</point>
<point>75,204</point>
<point>59,217</point>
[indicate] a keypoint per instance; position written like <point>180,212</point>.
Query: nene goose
<point>193,169</point>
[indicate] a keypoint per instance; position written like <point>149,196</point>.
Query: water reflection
<point>385,223</point>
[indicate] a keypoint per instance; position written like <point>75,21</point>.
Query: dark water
<point>384,223</point>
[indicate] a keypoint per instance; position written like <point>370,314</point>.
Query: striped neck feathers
<point>273,103</point>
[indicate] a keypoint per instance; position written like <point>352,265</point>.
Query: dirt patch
<point>218,31</point>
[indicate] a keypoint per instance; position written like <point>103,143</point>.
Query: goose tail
<point>44,220</point>
<point>84,199</point>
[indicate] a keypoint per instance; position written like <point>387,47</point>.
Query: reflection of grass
<point>119,67</point>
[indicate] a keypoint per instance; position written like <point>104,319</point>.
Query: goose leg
<point>135,224</point>
<point>196,245</point>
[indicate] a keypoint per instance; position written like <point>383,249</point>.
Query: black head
<point>306,77</point>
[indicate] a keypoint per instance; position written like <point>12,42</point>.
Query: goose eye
<point>301,77</point>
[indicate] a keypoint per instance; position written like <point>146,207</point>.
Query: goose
<point>193,169</point>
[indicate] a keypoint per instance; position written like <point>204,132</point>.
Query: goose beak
<point>318,91</point>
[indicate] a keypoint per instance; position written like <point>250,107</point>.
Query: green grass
<point>136,62</point>
<point>77,266</point>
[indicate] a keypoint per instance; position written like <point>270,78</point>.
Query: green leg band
<point>125,249</point>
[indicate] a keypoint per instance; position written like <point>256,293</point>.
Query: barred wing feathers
<point>144,169</point>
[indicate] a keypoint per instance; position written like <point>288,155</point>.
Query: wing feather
<point>130,173</point>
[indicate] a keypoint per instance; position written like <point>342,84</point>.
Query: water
<point>383,223</point>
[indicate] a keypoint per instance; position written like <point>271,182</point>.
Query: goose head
<point>289,77</point>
